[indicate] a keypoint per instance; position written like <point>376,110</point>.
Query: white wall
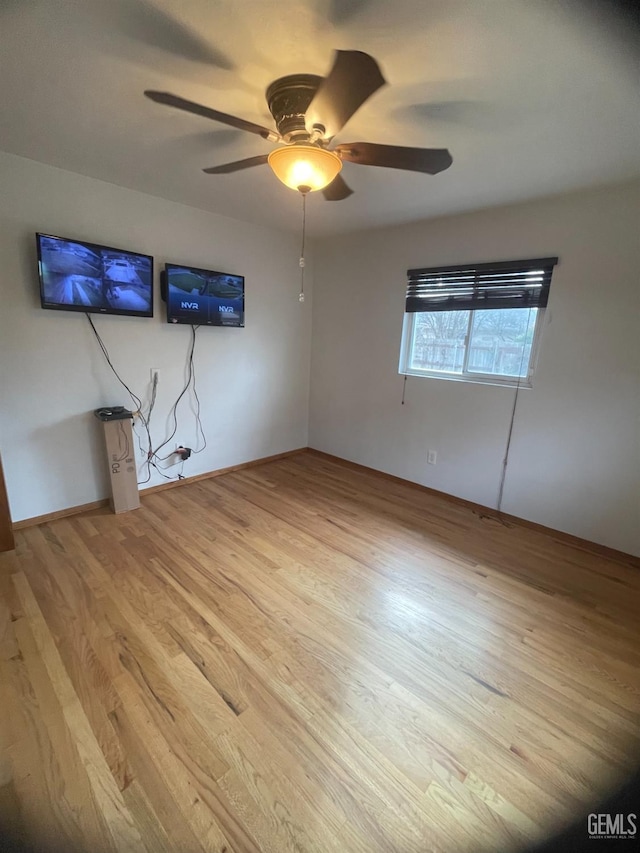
<point>575,459</point>
<point>575,455</point>
<point>253,382</point>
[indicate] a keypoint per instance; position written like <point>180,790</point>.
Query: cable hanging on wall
<point>505,460</point>
<point>199,427</point>
<point>174,409</point>
<point>136,400</point>
<point>152,459</point>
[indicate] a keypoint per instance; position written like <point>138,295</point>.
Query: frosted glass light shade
<point>304,167</point>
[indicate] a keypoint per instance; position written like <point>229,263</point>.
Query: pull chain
<point>304,230</point>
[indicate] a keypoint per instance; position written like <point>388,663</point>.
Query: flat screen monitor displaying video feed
<point>79,276</point>
<point>203,297</point>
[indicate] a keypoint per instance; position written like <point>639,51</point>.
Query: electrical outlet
<point>432,457</point>
<point>155,371</point>
<point>173,458</point>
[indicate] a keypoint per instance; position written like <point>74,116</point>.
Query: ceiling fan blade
<point>429,160</point>
<point>190,107</point>
<point>355,76</point>
<point>337,190</point>
<point>237,165</point>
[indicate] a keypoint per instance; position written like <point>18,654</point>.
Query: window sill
<point>473,379</point>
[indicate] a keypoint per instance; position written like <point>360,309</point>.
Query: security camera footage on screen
<point>94,278</point>
<point>204,297</point>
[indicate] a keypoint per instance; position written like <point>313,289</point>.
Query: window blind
<point>504,284</point>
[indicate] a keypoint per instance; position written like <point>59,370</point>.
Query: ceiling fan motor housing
<point>288,99</point>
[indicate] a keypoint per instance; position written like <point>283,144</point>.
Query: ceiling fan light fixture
<point>305,167</point>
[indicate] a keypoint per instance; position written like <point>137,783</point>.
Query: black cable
<point>152,454</point>
<point>147,453</point>
<point>199,427</point>
<point>134,397</point>
<point>513,417</point>
<point>157,467</point>
<point>174,408</point>
<point>136,400</point>
<point>191,382</point>
<point>147,461</point>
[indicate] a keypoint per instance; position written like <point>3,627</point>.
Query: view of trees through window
<point>496,342</point>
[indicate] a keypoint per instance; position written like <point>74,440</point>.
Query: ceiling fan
<point>309,111</point>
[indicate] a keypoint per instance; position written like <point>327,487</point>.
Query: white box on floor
<point>118,437</point>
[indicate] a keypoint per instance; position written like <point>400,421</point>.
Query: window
<point>477,323</point>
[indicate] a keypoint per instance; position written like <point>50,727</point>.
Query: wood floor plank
<point>90,680</point>
<point>156,838</point>
<point>146,758</point>
<point>37,780</point>
<point>8,644</point>
<point>278,818</point>
<point>304,656</point>
<point>86,817</point>
<point>106,794</point>
<point>191,791</point>
<point>269,592</point>
<point>590,684</point>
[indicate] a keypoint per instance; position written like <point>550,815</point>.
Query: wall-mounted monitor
<point>80,276</point>
<point>203,297</point>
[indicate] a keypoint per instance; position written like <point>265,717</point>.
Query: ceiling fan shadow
<point>397,17</point>
<point>203,143</point>
<point>477,115</point>
<point>11,5</point>
<point>141,21</point>
<point>342,11</point>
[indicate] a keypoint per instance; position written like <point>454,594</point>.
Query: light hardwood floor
<point>306,657</point>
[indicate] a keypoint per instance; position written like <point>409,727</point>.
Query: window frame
<point>406,348</point>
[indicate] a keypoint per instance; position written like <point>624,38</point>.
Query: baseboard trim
<point>558,535</point>
<point>59,513</point>
<point>219,472</point>
<point>76,510</point>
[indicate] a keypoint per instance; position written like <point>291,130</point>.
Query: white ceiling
<point>532,97</point>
